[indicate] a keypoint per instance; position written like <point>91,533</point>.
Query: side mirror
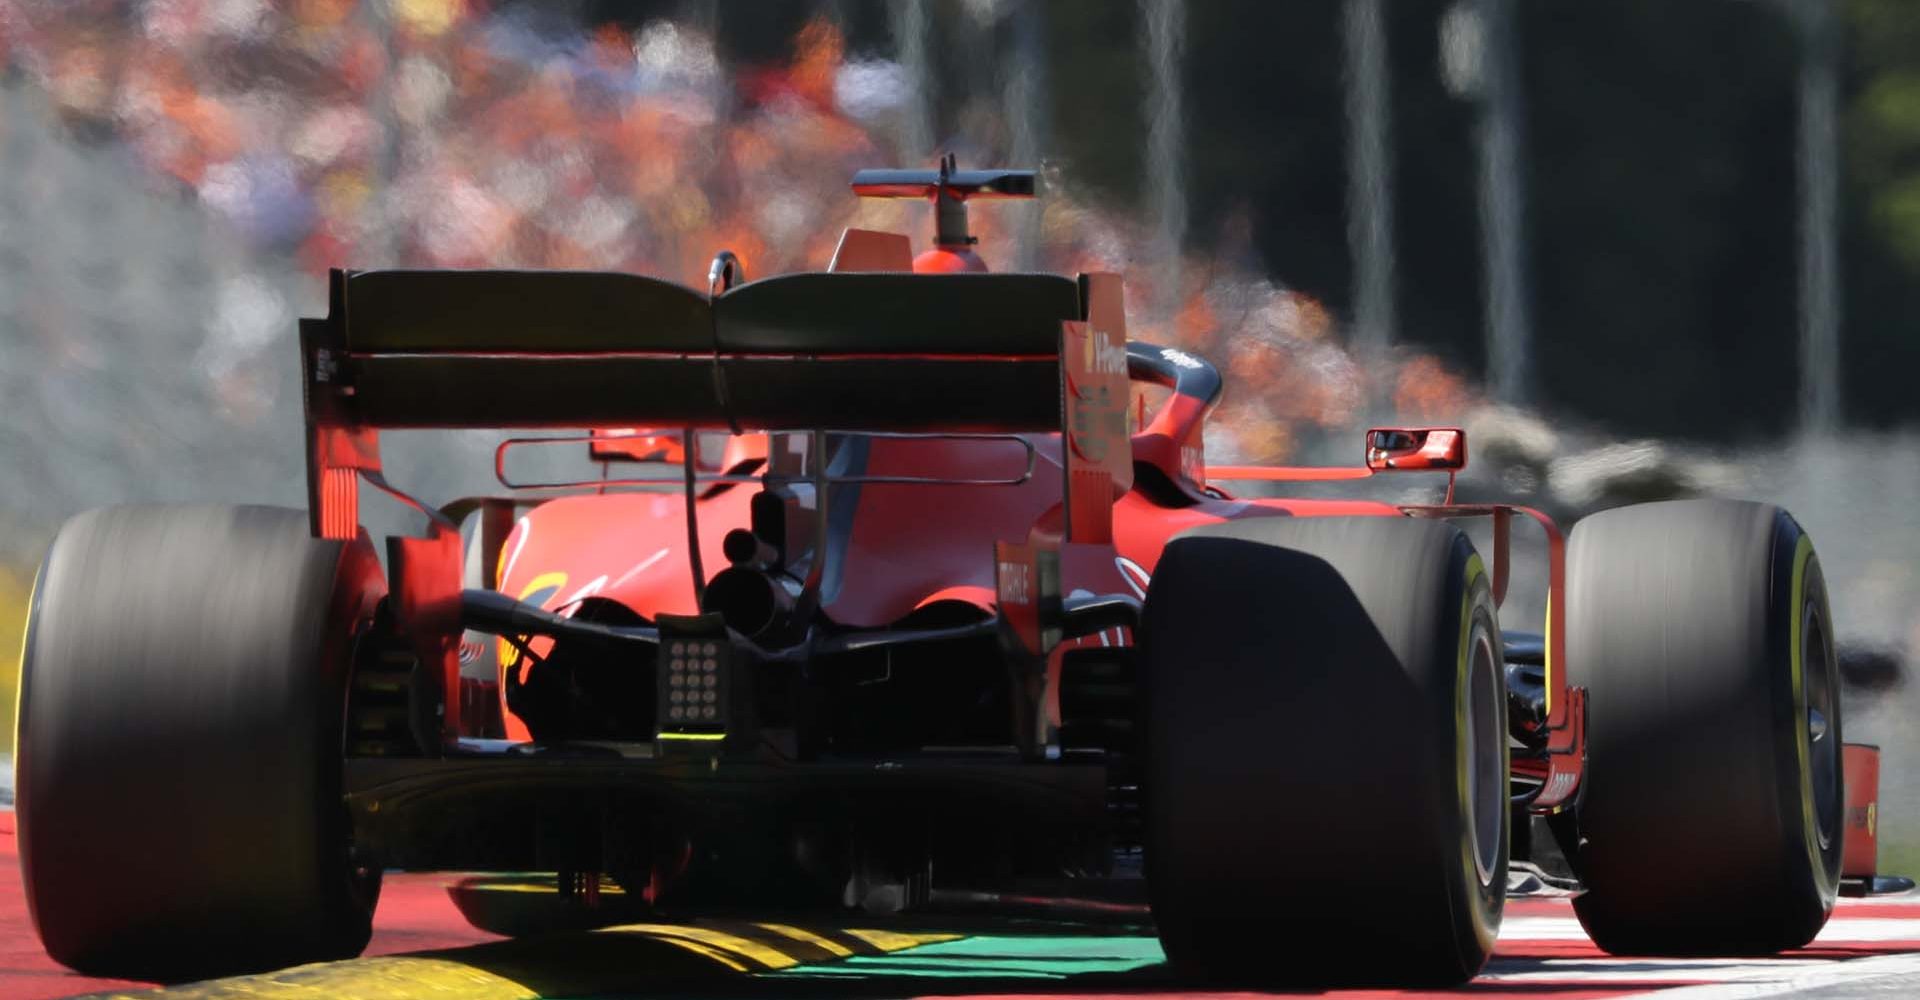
<point>1416,449</point>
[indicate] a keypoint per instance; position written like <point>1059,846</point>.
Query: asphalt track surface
<point>423,948</point>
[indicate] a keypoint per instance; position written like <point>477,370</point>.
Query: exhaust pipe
<point>753,602</point>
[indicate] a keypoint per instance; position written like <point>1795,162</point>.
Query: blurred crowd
<point>437,133</point>
<point>428,133</point>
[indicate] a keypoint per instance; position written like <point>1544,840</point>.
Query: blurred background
<point>1640,249</point>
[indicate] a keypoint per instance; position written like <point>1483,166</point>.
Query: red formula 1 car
<point>944,614</point>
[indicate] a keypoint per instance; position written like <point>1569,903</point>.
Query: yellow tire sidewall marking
<point>1463,747</point>
<point>1810,821</point>
<point>1462,688</point>
<point>1547,657</point>
<point>20,663</point>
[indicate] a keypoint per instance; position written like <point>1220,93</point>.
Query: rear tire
<point>1710,819</point>
<point>182,691</point>
<point>1326,753</point>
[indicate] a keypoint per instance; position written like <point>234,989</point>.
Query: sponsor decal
<point>638,568</point>
<point>1106,355</point>
<point>567,607</point>
<point>1097,423</point>
<point>1016,583</point>
<point>510,553</point>
<point>542,588</point>
<point>1098,399</point>
<point>538,591</point>
<point>1181,358</point>
<point>1862,817</point>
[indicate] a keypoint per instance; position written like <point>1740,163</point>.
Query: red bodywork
<point>1862,850</point>
<point>908,546</point>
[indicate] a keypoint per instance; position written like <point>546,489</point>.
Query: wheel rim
<point>1817,730</point>
<point>1486,757</point>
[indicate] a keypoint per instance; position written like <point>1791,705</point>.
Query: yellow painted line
<point>779,946</point>
<point>774,945</point>
<point>705,952</point>
<point>551,965</point>
<point>804,936</point>
<point>703,737</point>
<point>733,944</point>
<point>392,978</point>
<point>894,941</point>
<point>608,887</point>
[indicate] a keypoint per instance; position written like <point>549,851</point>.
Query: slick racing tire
<point>179,778</point>
<point>1325,772</point>
<point>1711,817</point>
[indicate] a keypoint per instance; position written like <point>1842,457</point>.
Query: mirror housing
<point>1416,449</point>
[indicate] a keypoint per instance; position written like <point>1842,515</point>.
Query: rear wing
<point>833,351</point>
<point>580,349</point>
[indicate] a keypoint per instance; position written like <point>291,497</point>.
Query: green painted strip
<point>987,957</point>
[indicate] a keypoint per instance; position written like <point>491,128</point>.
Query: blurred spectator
<point>437,134</point>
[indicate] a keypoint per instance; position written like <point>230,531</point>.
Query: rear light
<point>695,663</point>
<point>693,683</point>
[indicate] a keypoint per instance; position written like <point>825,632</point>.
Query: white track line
<point>1541,929</point>
<point>1908,898</point>
<point>1796,980</point>
<point>1839,930</point>
<point>1644,970</point>
<point>1769,976</point>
